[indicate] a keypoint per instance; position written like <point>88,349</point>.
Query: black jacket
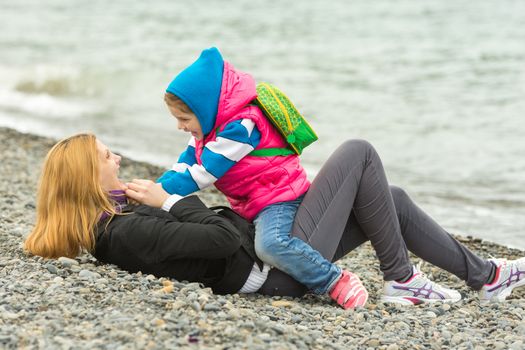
<point>191,242</point>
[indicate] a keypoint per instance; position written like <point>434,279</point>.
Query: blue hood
<point>199,86</point>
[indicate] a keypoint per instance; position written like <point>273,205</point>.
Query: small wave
<point>53,92</point>
<point>54,87</point>
<point>50,80</point>
<point>43,105</point>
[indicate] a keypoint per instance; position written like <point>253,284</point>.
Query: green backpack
<point>278,108</point>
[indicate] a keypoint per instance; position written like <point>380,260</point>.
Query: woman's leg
<point>429,241</point>
<point>352,178</point>
<point>421,234</point>
<point>426,239</point>
<point>279,283</point>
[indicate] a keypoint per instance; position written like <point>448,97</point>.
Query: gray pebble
<point>67,262</point>
<point>51,268</point>
<point>296,319</point>
<point>75,268</point>
<point>196,306</point>
<point>446,334</point>
<point>499,345</point>
<point>212,307</point>
<point>520,329</point>
<point>278,328</point>
<point>373,343</point>
<point>86,274</point>
<point>456,339</point>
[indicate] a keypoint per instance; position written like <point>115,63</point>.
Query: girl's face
<point>187,121</point>
<point>108,164</point>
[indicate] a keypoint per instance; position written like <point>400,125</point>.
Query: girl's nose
<point>117,159</point>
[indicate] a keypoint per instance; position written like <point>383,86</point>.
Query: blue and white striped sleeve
<point>232,144</point>
<point>187,158</point>
<point>174,178</point>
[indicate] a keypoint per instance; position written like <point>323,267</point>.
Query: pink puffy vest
<point>254,182</point>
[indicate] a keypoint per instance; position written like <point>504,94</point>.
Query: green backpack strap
<point>271,152</point>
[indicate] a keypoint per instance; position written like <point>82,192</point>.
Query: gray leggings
<point>350,202</point>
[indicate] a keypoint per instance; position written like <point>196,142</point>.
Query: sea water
<point>436,86</point>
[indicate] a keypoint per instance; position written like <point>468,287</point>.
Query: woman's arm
<point>197,232</point>
<point>156,239</point>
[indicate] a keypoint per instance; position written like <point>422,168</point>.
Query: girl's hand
<point>146,192</point>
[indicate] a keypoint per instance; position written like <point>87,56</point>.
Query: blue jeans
<point>275,246</point>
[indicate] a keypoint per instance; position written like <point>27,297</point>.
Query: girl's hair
<point>70,200</point>
<point>174,100</point>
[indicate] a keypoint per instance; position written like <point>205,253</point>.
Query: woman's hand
<point>146,192</point>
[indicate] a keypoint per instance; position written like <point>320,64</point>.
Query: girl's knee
<point>264,248</point>
<point>259,245</point>
<point>269,249</point>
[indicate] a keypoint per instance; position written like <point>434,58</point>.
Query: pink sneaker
<point>348,291</point>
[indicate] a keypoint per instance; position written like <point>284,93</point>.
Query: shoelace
<point>418,270</point>
<point>435,285</point>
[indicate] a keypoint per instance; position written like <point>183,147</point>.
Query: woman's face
<point>109,164</point>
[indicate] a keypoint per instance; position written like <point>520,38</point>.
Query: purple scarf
<point>119,197</point>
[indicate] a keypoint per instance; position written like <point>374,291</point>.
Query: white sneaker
<point>417,290</point>
<point>510,274</point>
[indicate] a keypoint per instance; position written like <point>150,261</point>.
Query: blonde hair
<point>70,200</point>
<point>175,101</point>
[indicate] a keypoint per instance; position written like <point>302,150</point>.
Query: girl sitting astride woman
<point>82,205</point>
<point>214,102</point>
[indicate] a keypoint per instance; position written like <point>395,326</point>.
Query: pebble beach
<point>82,304</point>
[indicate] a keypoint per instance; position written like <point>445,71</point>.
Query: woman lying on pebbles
<point>82,205</point>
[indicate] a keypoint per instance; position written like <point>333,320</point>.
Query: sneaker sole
<point>415,301</point>
<point>503,294</point>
